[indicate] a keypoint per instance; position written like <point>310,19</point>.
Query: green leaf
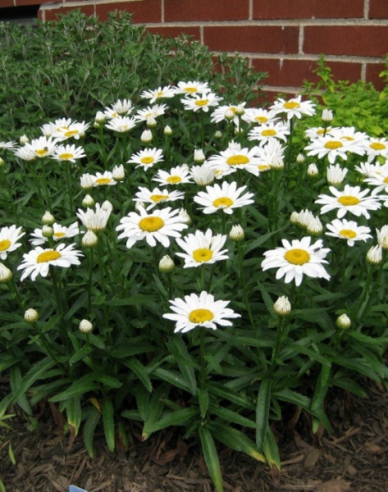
<point>80,387</point>
<point>185,362</point>
<point>141,372</point>
<point>211,457</point>
<point>171,419</point>
<point>262,411</point>
<point>155,410</point>
<point>349,385</point>
<point>35,373</point>
<point>293,397</point>
<point>108,423</point>
<point>321,388</point>
<point>130,349</point>
<point>232,416</point>
<point>15,380</point>
<point>89,429</point>
<point>270,449</point>
<point>74,414</point>
<point>109,381</point>
<point>203,398</point>
<point>173,378</point>
<point>230,395</point>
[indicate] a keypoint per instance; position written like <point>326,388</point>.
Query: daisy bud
<point>151,122</point>
<point>203,175</point>
<point>237,233</point>
<point>282,306</point>
<point>96,125</point>
<point>88,201</point>
<point>85,326</point>
<point>300,159</point>
<point>5,274</point>
<point>327,115</point>
<point>118,173</point>
<point>107,206</point>
<point>239,111</point>
<point>87,181</point>
<point>335,174</point>
<point>229,115</point>
<point>294,219</point>
<point>47,231</point>
<point>314,226</point>
<point>199,156</point>
<point>375,255</point>
<point>100,117</point>
<point>167,130</point>
<point>89,239</point>
<point>146,136</point>
<point>48,218</point>
<point>2,162</point>
<point>343,322</point>
<point>277,164</point>
<point>185,216</point>
<point>218,134</point>
<point>166,264</point>
<point>23,140</point>
<point>312,170</point>
<point>382,236</point>
<point>31,315</point>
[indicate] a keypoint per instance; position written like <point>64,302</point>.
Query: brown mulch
<point>354,458</point>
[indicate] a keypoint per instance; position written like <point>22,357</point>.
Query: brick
<point>346,40</point>
<point>52,13</point>
<point>373,71</point>
<point>292,73</point>
<point>378,9</point>
<point>252,39</point>
<point>206,10</point>
<point>308,9</point>
<point>144,12</point>
<point>174,32</point>
<point>6,3</point>
<point>21,3</point>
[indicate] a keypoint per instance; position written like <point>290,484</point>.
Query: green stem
<point>244,286</point>
<point>69,194</point>
<point>278,343</point>
<point>202,357</point>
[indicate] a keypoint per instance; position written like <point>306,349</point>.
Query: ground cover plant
<point>184,258</point>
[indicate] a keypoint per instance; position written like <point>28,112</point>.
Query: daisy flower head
<point>379,179</point>
<point>87,181</point>
<point>335,174</point>
<point>351,199</point>
<point>70,129</point>
<point>156,227</point>
<point>192,87</point>
<point>94,220</point>
<point>38,261</point>
<point>104,179</point>
<point>38,148</point>
<point>270,156</point>
<point>175,176</point>
<point>348,230</point>
<point>121,124</point>
<point>201,248</point>
<point>382,236</point>
<point>147,158</point>
<point>59,232</point>
<point>376,147</point>
<point>48,129</point>
<point>222,112</point>
<point>348,133</point>
<point>294,107</point>
<point>259,116</point>
<point>118,173</point>
<point>156,196</point>
<point>9,237</point>
<point>7,145</point>
<point>226,197</point>
<point>268,132</point>
<point>159,93</point>
<point>200,310</point>
<point>119,108</point>
<point>369,170</point>
<point>203,175</point>
<point>150,112</point>
<point>235,157</point>
<point>68,153</point>
<point>202,101</point>
<point>333,148</point>
<point>317,131</point>
<point>296,259</point>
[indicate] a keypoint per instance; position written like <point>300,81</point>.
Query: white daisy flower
<point>176,175</point>
<point>235,157</point>
<point>268,132</point>
<point>159,93</point>
<point>87,181</point>
<point>9,237</point>
<point>294,107</point>
<point>68,153</point>
<point>348,230</point>
<point>118,173</point>
<point>296,259</point>
<point>317,131</point>
<point>38,261</point>
<point>119,108</point>
<point>158,226</point>
<point>200,310</point>
<point>65,129</point>
<point>348,133</point>
<point>150,112</point>
<point>382,236</point>
<point>376,147</point>
<point>38,148</point>
<point>351,199</point>
<point>105,179</point>
<point>200,248</point>
<point>259,116</point>
<point>156,196</point>
<point>369,170</point>
<point>7,145</point>
<point>202,101</point>
<point>226,197</point>
<point>270,156</point>
<point>332,147</point>
<point>147,158</point>
<point>59,232</point>
<point>379,179</point>
<point>221,113</point>
<point>335,174</point>
<point>121,124</point>
<point>192,87</point>
<point>95,220</point>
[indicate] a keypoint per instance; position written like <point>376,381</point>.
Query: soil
<point>354,458</point>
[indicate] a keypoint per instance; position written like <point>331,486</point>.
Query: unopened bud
<point>294,218</point>
<point>31,315</point>
<point>218,134</point>
<point>312,170</point>
<point>229,115</point>
<point>146,136</point>
<point>48,218</point>
<point>118,173</point>
<point>166,264</point>
<point>167,130</point>
<point>47,231</point>
<point>100,117</point>
<point>282,306</point>
<point>199,156</point>
<point>327,115</point>
<point>300,159</point>
<point>151,122</point>
<point>88,201</point>
<point>107,206</point>
<point>237,233</point>
<point>375,255</point>
<point>185,216</point>
<point>85,326</point>
<point>89,239</point>
<point>5,273</point>
<point>23,140</point>
<point>2,162</point>
<point>343,322</point>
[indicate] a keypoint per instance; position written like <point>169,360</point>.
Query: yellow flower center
<point>151,224</point>
<point>291,105</point>
<point>237,160</point>
<point>268,133</point>
<point>114,115</point>
<point>103,181</point>
<point>222,202</point>
<point>160,94</point>
<point>158,198</point>
<point>59,234</point>
<point>202,254</point>
<point>71,133</point>
<point>349,139</point>
<point>41,152</point>
<point>348,233</point>
<point>201,102</point>
<point>46,256</point>
<point>377,146</point>
<point>147,160</point>
<point>264,167</point>
<point>333,144</point>
<point>261,119</point>
<point>174,179</point>
<point>297,256</point>
<point>66,156</point>
<point>5,244</point>
<point>190,90</point>
<point>386,180</point>
<point>200,315</point>
<point>348,200</point>
<point>321,131</point>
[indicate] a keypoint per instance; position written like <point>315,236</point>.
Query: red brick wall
<point>282,37</point>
